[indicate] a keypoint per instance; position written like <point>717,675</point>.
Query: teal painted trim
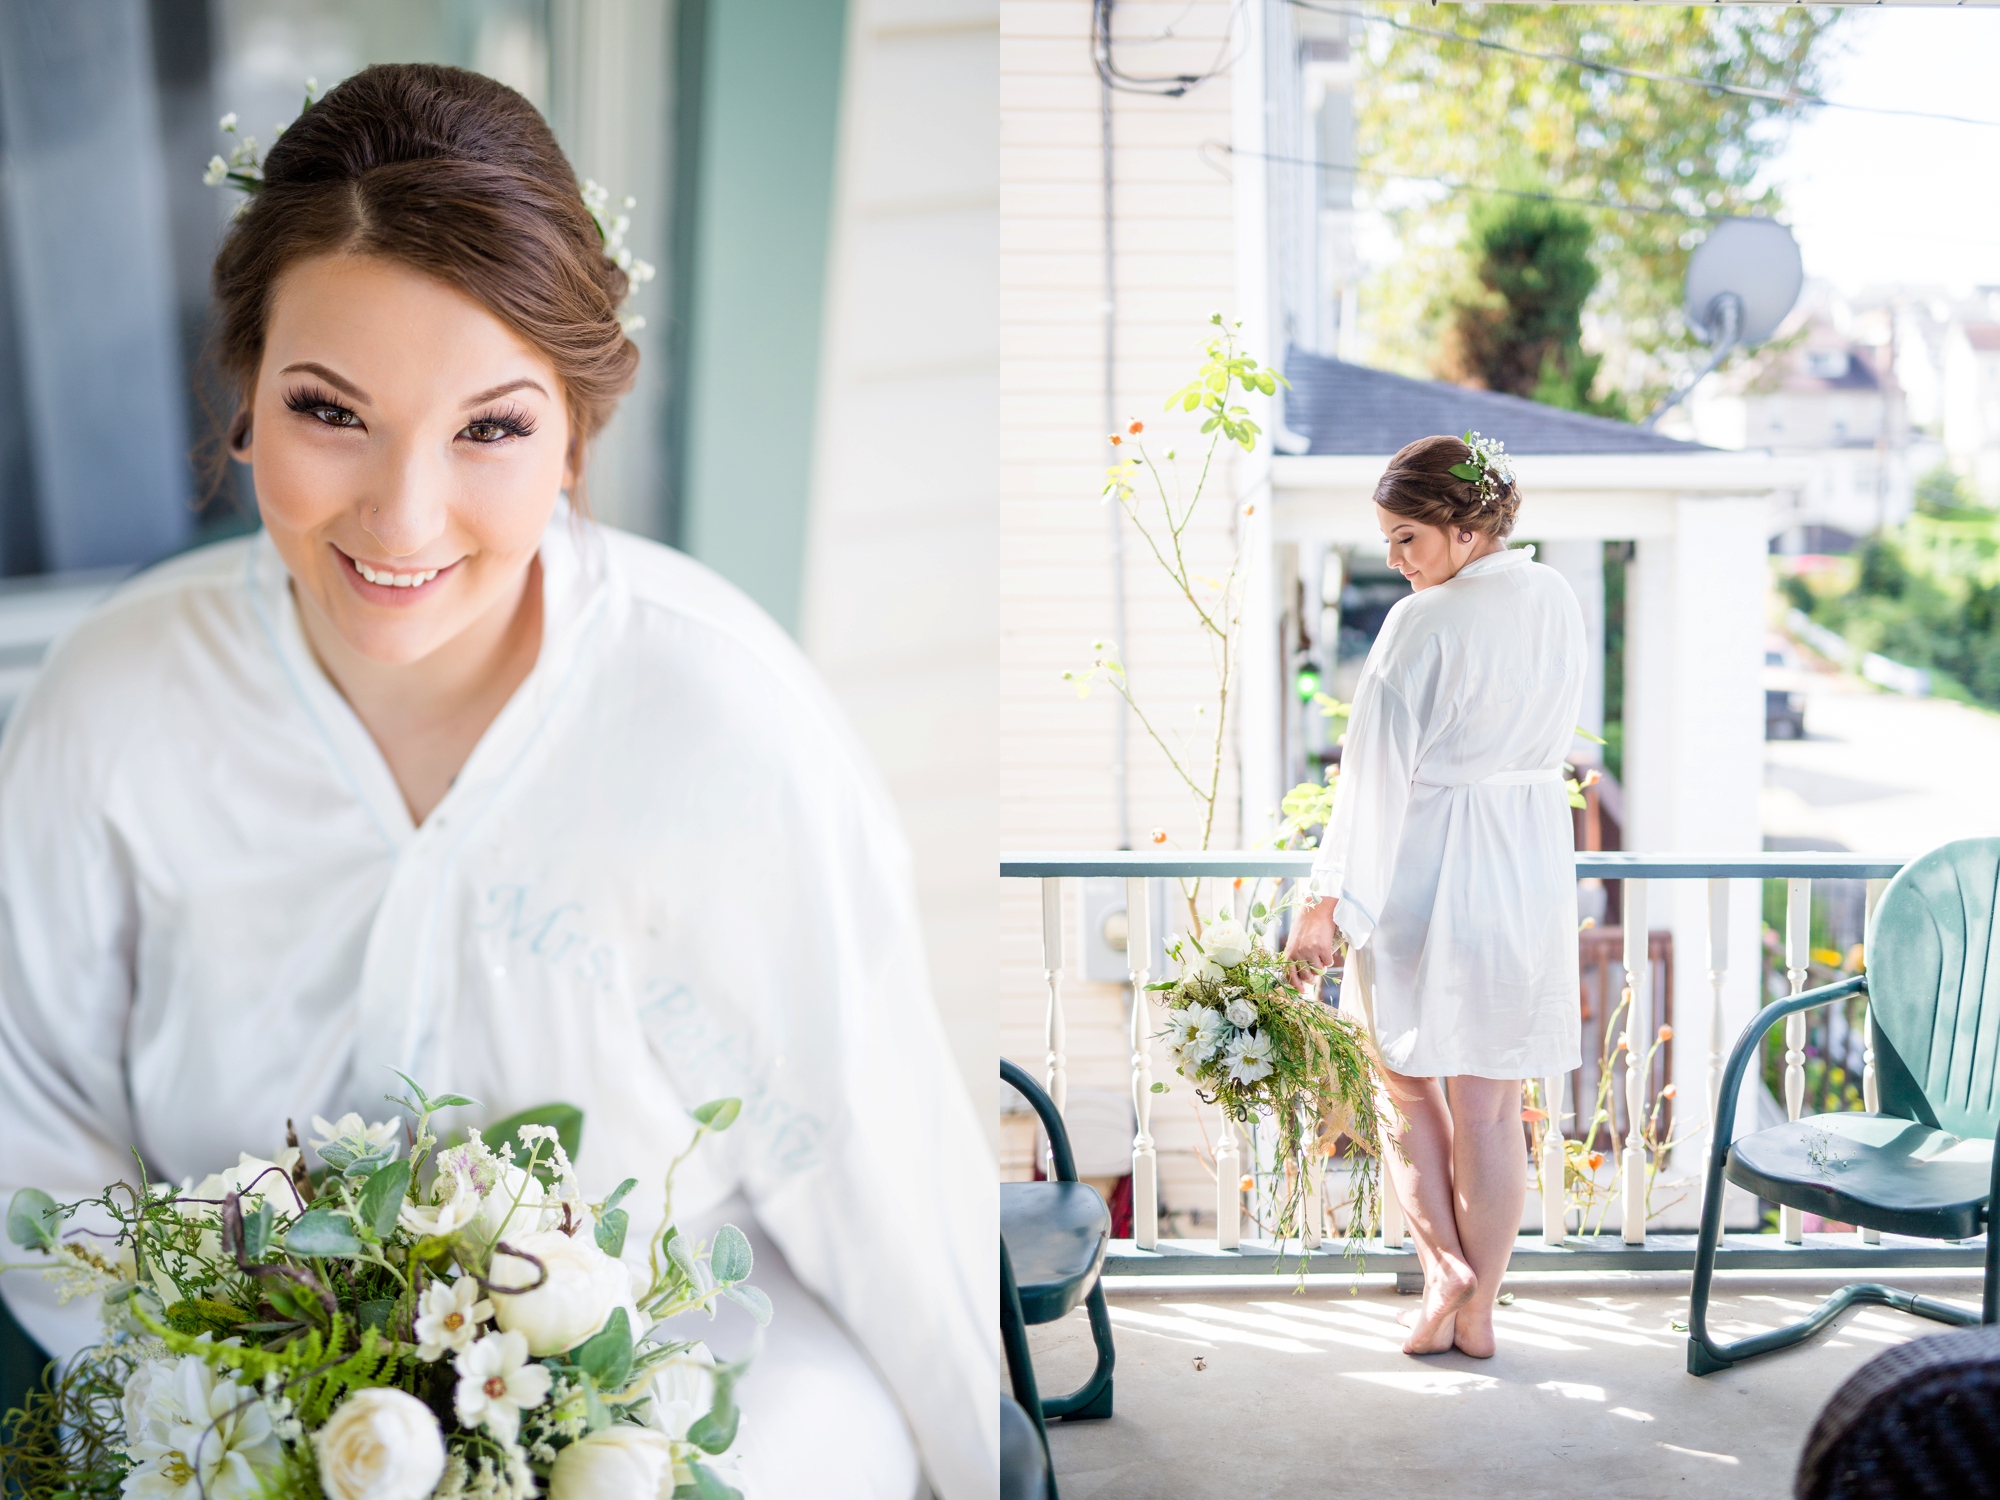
<point>1595,1252</point>
<point>761,223</point>
<point>1613,866</point>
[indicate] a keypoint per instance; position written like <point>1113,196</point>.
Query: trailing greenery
<point>1926,593</point>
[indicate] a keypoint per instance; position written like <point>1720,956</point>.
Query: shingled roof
<point>1346,408</point>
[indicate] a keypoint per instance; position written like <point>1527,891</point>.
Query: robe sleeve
<point>67,924</point>
<point>1356,860</point>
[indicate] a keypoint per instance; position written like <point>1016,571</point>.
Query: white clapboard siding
<point>901,578</point>
<point>1175,238</point>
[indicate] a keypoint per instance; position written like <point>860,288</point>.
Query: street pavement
<point>1879,773</point>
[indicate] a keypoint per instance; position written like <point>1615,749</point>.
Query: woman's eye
<point>335,416</point>
<point>487,432</point>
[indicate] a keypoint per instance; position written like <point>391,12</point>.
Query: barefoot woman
<point>1449,866</point>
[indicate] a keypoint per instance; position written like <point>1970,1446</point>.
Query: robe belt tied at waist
<point>1501,778</point>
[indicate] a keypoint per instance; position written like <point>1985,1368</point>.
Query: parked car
<point>1784,703</point>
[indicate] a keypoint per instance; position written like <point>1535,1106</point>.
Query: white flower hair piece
<point>611,229</point>
<point>1489,467</point>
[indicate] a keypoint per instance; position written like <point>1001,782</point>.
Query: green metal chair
<point>1053,1235</point>
<point>1926,1163</point>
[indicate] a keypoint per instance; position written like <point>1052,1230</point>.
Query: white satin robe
<point>666,874</point>
<point>1451,848</point>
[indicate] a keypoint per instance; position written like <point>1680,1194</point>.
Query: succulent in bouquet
<point>437,1323</point>
<point>1252,1044</point>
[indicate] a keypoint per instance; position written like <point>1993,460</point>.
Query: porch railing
<point>1147,1253</point>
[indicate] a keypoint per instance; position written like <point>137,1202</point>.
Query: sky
<point>1875,199</point>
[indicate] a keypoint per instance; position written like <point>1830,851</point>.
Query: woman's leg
<point>1489,1173</point>
<point>1418,1128</point>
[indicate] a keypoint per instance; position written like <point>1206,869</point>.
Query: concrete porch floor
<point>1310,1394</point>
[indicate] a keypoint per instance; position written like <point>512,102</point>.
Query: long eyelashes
<point>509,421</point>
<point>485,430</point>
<point>312,402</point>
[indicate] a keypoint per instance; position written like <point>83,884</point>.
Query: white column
<point>1554,1211</point>
<point>1639,981</point>
<point>1798,944</point>
<point>1055,1030</point>
<point>1145,1164</point>
<point>1718,971</point>
<point>1871,1092</point>
<point>1228,1192</point>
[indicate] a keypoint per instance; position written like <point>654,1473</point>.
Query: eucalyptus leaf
<point>382,1197</point>
<point>751,1298</point>
<point>321,1231</point>
<point>596,1414</point>
<point>257,1229</point>
<point>32,1218</point>
<point>679,1252</point>
<point>611,1227</point>
<point>451,1101</point>
<point>705,1486</point>
<point>718,1114</point>
<point>714,1432</point>
<point>606,1356</point>
<point>730,1259</point>
<point>618,1193</point>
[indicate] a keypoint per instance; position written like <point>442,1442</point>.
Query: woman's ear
<point>239,434</point>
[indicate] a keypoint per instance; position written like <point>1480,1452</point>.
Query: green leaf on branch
<point>752,1299</point>
<point>322,1231</point>
<point>612,1225</point>
<point>717,1430</point>
<point>730,1259</point>
<point>718,1114</point>
<point>32,1218</point>
<point>382,1197</point>
<point>705,1486</point>
<point>606,1357</point>
<point>257,1230</point>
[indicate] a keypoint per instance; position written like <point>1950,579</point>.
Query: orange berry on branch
<point>1136,428</point>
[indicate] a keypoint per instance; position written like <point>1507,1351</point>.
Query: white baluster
<point>1393,1232</point>
<point>1798,952</point>
<point>1228,1192</point>
<point>1056,1030</point>
<point>1554,1209</point>
<point>1639,980</point>
<point>1145,1164</point>
<point>1718,970</point>
<point>1871,1093</point>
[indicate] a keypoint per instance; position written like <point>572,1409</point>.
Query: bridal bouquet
<point>1252,1044</point>
<point>451,1322</point>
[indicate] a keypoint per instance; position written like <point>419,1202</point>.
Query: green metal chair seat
<point>1875,1171</point>
<point>1924,1163</point>
<point>1056,1232</point>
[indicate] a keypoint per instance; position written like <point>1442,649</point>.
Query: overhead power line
<point>1597,65</point>
<point>1615,205</point>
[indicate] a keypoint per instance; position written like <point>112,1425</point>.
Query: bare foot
<point>1444,1294</point>
<point>1473,1331</point>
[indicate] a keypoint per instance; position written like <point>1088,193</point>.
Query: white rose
<point>582,1287</point>
<point>620,1462</point>
<point>501,1216</point>
<point>380,1444</point>
<point>683,1391</point>
<point>1227,943</point>
<point>1241,1012</point>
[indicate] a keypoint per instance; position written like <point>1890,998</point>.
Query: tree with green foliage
<point>1434,108</point>
<point>1942,492</point>
<point>1517,325</point>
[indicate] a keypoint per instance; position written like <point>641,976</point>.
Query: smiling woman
<point>433,773</point>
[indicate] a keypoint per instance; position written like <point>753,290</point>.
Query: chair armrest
<point>1052,1123</point>
<point>1746,1048</point>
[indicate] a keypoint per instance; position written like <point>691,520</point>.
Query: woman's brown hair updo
<point>1419,486</point>
<point>455,176</point>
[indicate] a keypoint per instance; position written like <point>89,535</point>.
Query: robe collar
<point>1494,562</point>
<point>576,592</point>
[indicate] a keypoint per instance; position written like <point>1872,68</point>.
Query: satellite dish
<point>1755,261</point>
<point>1742,281</point>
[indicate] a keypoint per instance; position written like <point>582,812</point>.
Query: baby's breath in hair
<point>611,229</point>
<point>1489,467</point>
